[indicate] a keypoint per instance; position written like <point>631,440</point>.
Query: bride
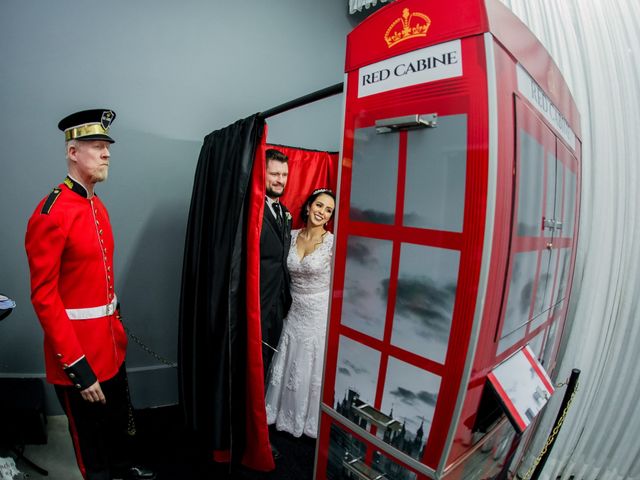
<point>293,390</point>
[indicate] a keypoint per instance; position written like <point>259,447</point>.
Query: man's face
<point>277,173</point>
<point>91,159</point>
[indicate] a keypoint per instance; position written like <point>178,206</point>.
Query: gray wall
<point>173,72</point>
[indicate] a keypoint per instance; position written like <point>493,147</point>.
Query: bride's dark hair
<point>311,198</point>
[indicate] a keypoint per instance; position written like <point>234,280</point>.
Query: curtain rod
<point>309,98</point>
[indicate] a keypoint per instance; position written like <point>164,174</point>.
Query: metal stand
<point>19,451</point>
<point>564,408</point>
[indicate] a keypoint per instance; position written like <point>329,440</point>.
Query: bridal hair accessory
<point>322,190</point>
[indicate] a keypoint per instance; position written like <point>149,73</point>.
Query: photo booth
<point>220,361</point>
<point>455,238</point>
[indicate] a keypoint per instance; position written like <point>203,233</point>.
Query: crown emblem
<point>410,25</point>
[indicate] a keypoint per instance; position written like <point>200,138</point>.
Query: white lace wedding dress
<point>293,389</point>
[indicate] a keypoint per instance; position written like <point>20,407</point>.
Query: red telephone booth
<point>455,238</point>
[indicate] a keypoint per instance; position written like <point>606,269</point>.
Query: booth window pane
<point>539,320</point>
<point>550,343</point>
<point>530,186</point>
<point>563,274</point>
<point>557,213</point>
<point>550,199</point>
<point>374,175</point>
<point>436,172</point>
<point>555,310</point>
<point>553,267</point>
<point>538,306</point>
<point>427,283</point>
<point>544,293</point>
<point>569,203</point>
<point>520,291</point>
<point>366,281</point>
<point>356,378</point>
<point>511,339</point>
<point>409,401</point>
<point>536,344</point>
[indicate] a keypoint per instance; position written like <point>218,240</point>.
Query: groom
<point>275,298</point>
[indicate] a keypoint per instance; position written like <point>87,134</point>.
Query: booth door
<point>399,263</point>
<point>564,238</point>
<point>537,229</point>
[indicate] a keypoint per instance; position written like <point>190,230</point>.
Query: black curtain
<point>212,336</point>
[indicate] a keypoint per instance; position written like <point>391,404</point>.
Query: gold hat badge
<point>410,25</point>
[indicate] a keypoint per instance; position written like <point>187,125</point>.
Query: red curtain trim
<point>222,456</point>
<point>257,454</point>
<point>308,170</point>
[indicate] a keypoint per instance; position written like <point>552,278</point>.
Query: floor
<point>56,456</point>
<point>169,449</point>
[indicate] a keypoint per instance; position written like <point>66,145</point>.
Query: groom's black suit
<point>275,297</point>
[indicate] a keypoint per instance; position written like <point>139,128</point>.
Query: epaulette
<point>51,199</point>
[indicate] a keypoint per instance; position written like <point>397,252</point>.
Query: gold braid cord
<point>552,437</point>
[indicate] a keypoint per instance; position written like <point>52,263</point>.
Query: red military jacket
<point>69,244</point>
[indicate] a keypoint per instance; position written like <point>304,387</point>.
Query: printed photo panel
<point>427,283</point>
<point>549,344</point>
<point>410,396</point>
<point>558,195</point>
<point>374,176</point>
<point>356,378</point>
<point>569,203</point>
<point>563,274</point>
<point>367,272</point>
<point>544,292</point>
<point>530,186</point>
<point>536,344</point>
<point>550,197</point>
<point>511,339</point>
<point>520,295</point>
<point>436,172</point>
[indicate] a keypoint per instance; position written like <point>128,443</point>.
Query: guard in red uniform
<point>69,244</point>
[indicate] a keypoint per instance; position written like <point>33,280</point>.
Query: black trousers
<point>102,434</point>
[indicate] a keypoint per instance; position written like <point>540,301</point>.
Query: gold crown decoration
<point>410,25</point>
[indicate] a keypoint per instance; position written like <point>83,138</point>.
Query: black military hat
<point>88,125</point>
